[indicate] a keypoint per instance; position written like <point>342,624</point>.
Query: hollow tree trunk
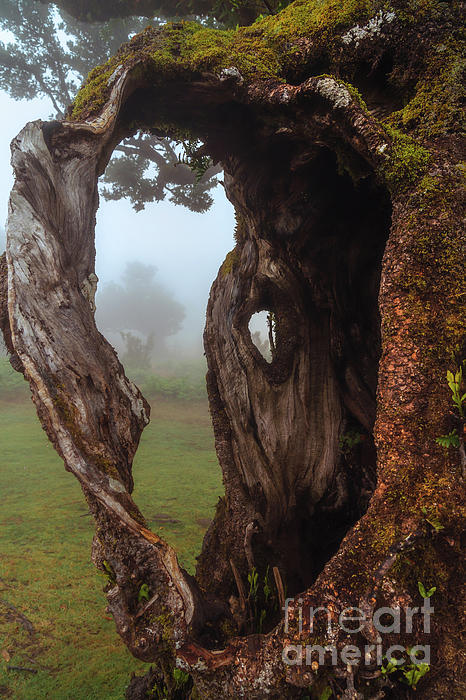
<point>349,234</point>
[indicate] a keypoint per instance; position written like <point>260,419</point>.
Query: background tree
<point>51,53</point>
<point>229,12</point>
<point>151,168</point>
<point>142,310</point>
<point>138,352</point>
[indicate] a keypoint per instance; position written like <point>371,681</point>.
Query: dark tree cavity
<point>338,132</point>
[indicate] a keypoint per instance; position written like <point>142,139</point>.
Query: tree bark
<point>349,233</point>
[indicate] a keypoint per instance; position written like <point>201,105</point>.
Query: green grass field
<point>45,539</point>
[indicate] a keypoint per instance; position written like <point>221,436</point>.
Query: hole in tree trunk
<point>293,430</point>
<point>142,305</point>
<point>263,333</point>
<point>325,219</point>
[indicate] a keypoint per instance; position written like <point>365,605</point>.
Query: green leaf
<point>143,592</point>
<point>326,694</point>
<point>409,677</point>
<point>390,667</point>
<point>423,669</point>
<point>414,673</point>
<point>435,522</point>
<point>109,573</point>
<point>423,592</point>
<point>450,440</point>
<point>180,677</point>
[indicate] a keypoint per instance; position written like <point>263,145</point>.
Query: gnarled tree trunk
<point>349,234</point>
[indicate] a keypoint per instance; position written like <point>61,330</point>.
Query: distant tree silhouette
<point>142,310</point>
<point>230,12</point>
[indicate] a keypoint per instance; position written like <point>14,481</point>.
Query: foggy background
<point>185,248</point>
<point>164,224</point>
<point>176,251</point>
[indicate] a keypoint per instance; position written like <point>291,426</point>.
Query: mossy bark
<point>348,198</point>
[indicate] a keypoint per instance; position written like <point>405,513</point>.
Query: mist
<point>186,247</point>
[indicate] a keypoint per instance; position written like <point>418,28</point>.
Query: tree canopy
<point>47,53</point>
<point>229,12</point>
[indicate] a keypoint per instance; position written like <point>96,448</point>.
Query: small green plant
<point>409,673</point>
<point>432,519</point>
<point>262,616</point>
<point>426,593</point>
<point>163,691</point>
<point>390,666</point>
<point>326,693</point>
<point>261,600</point>
<point>109,573</point>
<point>253,580</point>
<point>453,439</point>
<point>159,692</point>
<point>349,440</point>
<point>450,440</point>
<point>412,674</point>
<point>199,164</point>
<point>143,593</point>
<point>180,677</point>
<point>454,382</point>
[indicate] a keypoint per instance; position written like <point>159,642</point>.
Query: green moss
<point>437,105</point>
<point>230,262</point>
<point>283,46</point>
<point>71,420</point>
<point>206,48</point>
<point>164,623</point>
<point>424,564</point>
<point>266,49</point>
<point>407,162</point>
<point>435,301</point>
<point>108,572</point>
<point>241,231</point>
<point>319,19</point>
<point>95,91</point>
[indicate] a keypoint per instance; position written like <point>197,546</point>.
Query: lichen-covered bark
<point>349,233</point>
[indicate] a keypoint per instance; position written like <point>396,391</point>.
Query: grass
<point>45,539</point>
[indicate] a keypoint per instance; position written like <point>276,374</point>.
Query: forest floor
<point>52,609</point>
